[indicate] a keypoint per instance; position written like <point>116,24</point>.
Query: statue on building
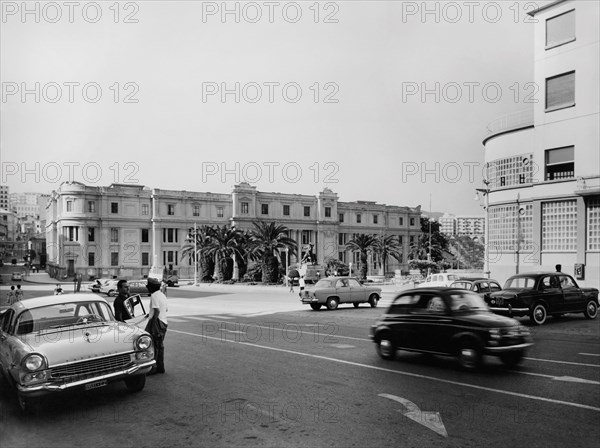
<point>309,256</point>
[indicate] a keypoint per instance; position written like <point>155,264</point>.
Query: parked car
<point>53,344</point>
<point>16,276</point>
<point>538,295</point>
<point>109,288</point>
<point>333,291</point>
<point>451,322</point>
<point>96,286</point>
<point>138,287</point>
<point>442,279</point>
<point>482,286</point>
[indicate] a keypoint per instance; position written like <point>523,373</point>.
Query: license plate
<point>96,384</point>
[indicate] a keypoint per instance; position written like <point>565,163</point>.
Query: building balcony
<point>588,185</point>
<point>509,122</point>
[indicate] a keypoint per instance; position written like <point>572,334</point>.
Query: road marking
<point>563,362</point>
<point>342,346</point>
<point>590,354</point>
<point>570,379</point>
<point>398,372</point>
<point>174,319</point>
<point>429,419</point>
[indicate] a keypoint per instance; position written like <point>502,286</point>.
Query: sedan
<point>538,295</point>
<point>333,291</point>
<point>53,344</point>
<point>16,276</point>
<point>482,286</point>
<point>109,288</point>
<point>449,322</point>
<point>138,287</point>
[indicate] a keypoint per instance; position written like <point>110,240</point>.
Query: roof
<point>37,302</point>
<point>543,8</point>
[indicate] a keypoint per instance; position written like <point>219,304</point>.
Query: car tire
<point>355,304</point>
<point>469,354</point>
<point>538,314</point>
<point>386,347</point>
<point>332,303</point>
<point>591,309</point>
<point>373,299</point>
<point>315,306</point>
<point>135,383</point>
<point>511,359</point>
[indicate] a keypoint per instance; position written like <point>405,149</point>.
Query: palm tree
<point>201,243</point>
<point>388,245</point>
<point>267,241</point>
<point>363,243</point>
<point>222,245</point>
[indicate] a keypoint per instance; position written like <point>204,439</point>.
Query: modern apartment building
<point>543,177</point>
<point>4,203</point>
<point>125,230</point>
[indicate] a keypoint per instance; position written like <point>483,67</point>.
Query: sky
<point>383,101</point>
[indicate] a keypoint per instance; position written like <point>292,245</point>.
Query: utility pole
<point>195,255</point>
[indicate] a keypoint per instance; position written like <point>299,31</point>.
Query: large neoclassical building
<point>544,165</point>
<point>125,230</point>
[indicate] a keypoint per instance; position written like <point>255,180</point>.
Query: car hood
<point>82,342</point>
<point>490,320</point>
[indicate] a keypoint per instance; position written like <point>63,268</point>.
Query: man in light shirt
<point>157,325</point>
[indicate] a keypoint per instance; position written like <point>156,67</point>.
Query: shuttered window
<point>560,29</point>
<point>560,91</point>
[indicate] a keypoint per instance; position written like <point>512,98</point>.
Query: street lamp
<point>486,194</point>
<point>287,250</point>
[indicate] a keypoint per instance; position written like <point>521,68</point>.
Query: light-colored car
<point>482,286</point>
<point>53,344</point>
<point>16,276</point>
<point>109,288</point>
<point>333,291</point>
<point>436,280</point>
<point>138,287</point>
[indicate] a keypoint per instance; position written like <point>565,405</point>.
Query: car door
<point>357,291</point>
<point>342,290</point>
<point>484,290</point>
<point>572,294</point>
<point>136,309</point>
<point>429,325</point>
<point>399,320</point>
<point>552,293</point>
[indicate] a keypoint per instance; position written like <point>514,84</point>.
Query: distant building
<point>4,203</point>
<point>463,225</point>
<point>125,230</point>
<point>543,164</point>
<point>448,224</point>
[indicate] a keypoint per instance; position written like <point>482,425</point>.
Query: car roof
<point>537,274</point>
<point>37,302</point>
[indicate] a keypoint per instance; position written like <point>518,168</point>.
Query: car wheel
<point>538,314</point>
<point>468,354</point>
<point>511,359</point>
<point>591,309</point>
<point>385,347</point>
<point>135,383</point>
<point>355,304</point>
<point>315,306</point>
<point>332,303</point>
<point>373,299</point>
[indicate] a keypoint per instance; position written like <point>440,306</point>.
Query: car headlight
<point>144,342</point>
<point>33,362</point>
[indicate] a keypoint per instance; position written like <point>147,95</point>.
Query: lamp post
<point>486,194</point>
<point>518,250</point>
<point>287,250</point>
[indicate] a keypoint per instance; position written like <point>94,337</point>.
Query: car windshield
<point>323,283</point>
<point>63,315</point>
<point>467,302</point>
<point>520,282</point>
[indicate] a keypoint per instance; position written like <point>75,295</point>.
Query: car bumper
<point>508,348</point>
<point>41,389</point>
<point>510,311</point>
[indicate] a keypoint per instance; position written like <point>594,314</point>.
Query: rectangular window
<point>342,238</point>
<point>412,221</point>
<point>358,218</point>
<point>560,29</point>
<point>145,258</point>
<point>264,209</point>
<point>114,235</point>
<point>91,259</point>
<point>400,239</point>
<point>71,233</point>
<point>341,217</point>
<point>507,226</point>
<point>511,171</point>
<point>145,209</point>
<point>306,211</point>
<point>91,234</point>
<point>306,237</point>
<point>342,256</point>
<point>196,210</point>
<point>169,235</point>
<point>244,208</point>
<point>286,210</point>
<point>220,212</point>
<point>114,207</point>
<point>559,226</point>
<point>114,258</point>
<point>327,212</point>
<point>400,221</point>
<point>69,206</point>
<point>91,206</point>
<point>171,209</point>
<point>145,236</point>
<point>593,225</point>
<point>560,163</point>
<point>375,219</point>
<point>560,91</point>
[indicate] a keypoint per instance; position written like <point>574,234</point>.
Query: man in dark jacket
<point>121,312</point>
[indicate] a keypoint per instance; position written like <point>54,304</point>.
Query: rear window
<point>323,283</point>
<point>520,282</point>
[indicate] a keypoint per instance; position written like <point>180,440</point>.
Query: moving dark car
<point>538,295</point>
<point>451,322</point>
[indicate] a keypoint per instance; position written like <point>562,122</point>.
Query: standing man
<point>121,312</point>
<point>157,325</point>
<point>558,268</point>
<point>18,294</point>
<point>11,295</point>
<point>302,284</point>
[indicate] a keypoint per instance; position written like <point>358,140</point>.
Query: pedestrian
<point>11,295</point>
<point>18,294</point>
<point>291,280</point>
<point>558,268</point>
<point>302,284</point>
<point>157,325</point>
<point>121,312</point>
<point>58,290</point>
<point>79,278</point>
